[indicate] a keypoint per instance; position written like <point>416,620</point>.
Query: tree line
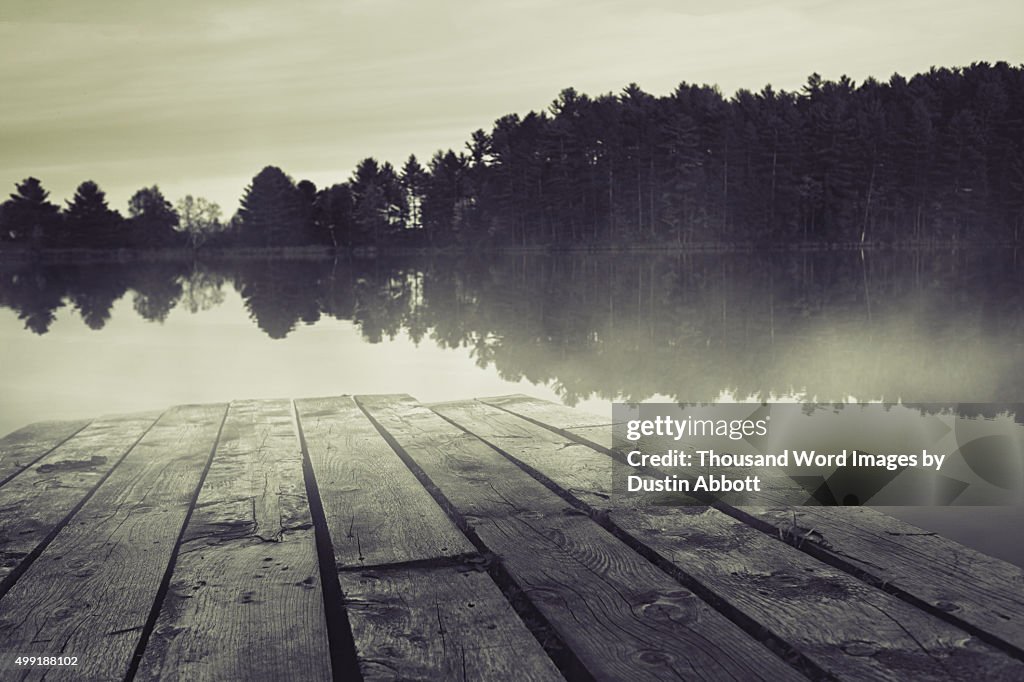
<point>28,218</point>
<point>938,157</point>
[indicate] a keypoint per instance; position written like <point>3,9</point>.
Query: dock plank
<point>621,616</point>
<point>416,612</point>
<point>91,591</point>
<point>20,449</point>
<point>245,600</point>
<point>37,501</point>
<point>439,623</point>
<point>377,511</point>
<point>982,592</point>
<point>847,628</point>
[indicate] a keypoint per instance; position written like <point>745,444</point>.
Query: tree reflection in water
<point>883,325</point>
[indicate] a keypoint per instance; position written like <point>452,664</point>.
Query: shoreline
<point>318,252</point>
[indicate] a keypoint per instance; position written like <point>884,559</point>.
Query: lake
<point>80,339</point>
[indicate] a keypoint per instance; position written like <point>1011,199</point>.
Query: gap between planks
<point>638,621</point>
<point>847,628</point>
<point>981,594</point>
<point>415,591</point>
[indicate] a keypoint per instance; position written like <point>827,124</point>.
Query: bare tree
<point>199,218</point>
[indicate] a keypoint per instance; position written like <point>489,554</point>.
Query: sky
<point>197,97</point>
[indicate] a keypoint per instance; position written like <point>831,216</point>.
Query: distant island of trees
<point>938,157</point>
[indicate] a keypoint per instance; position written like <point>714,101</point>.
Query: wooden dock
<point>377,538</point>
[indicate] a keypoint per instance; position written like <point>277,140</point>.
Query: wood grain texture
<point>376,510</point>
<point>245,600</point>
<point>439,623</point>
<point>849,629</point>
<point>378,515</point>
<point>90,592</point>
<point>568,417</point>
<point>37,501</point>
<point>621,616</point>
<point>20,449</point>
<point>981,591</point>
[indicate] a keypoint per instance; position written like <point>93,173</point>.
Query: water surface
<point>82,339</point>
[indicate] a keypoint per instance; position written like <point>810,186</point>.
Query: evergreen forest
<point>935,158</point>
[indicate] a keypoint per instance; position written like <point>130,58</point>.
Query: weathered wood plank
<point>980,591</point>
<point>845,627</point>
<point>568,418</point>
<point>20,449</point>
<point>91,591</point>
<point>377,511</point>
<point>622,617</point>
<point>245,600</point>
<point>440,621</point>
<point>37,501</point>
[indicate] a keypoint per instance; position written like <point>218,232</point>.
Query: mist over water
<point>83,339</point>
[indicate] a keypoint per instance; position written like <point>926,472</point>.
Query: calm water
<point>78,340</point>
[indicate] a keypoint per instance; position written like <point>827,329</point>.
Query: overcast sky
<point>198,96</point>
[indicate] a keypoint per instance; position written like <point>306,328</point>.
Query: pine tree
<point>28,217</point>
<point>414,181</point>
<point>89,222</point>
<point>271,212</point>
